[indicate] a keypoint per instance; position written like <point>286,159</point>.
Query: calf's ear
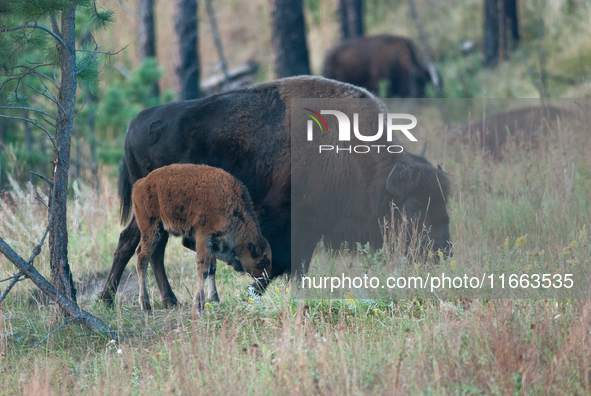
<point>400,182</point>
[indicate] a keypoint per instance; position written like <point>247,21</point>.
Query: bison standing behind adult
<point>365,61</point>
<point>247,133</point>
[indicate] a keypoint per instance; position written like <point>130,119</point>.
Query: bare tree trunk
<point>351,18</point>
<point>502,35</point>
<point>541,52</point>
<point>491,33</point>
<point>512,15</point>
<point>58,238</point>
<point>51,292</point>
<point>217,40</point>
<point>289,38</point>
<point>186,28</point>
<point>147,35</point>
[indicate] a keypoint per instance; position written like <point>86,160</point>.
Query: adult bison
<point>521,126</point>
<point>248,134</point>
<point>365,61</point>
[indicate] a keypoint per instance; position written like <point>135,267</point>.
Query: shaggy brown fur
<point>365,61</point>
<point>211,210</point>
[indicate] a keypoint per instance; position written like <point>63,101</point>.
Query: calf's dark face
<point>256,259</point>
<point>421,191</point>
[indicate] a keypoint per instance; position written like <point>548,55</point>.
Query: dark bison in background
<point>247,133</point>
<point>493,131</point>
<point>365,61</point>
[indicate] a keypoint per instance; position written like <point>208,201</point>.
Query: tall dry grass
<point>279,345</point>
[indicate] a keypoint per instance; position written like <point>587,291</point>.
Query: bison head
<point>421,191</point>
<point>256,258</point>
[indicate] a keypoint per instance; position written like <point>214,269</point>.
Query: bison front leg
<point>212,291</point>
<point>203,261</point>
<point>128,241</point>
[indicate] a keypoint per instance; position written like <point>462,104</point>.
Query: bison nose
<point>264,263</point>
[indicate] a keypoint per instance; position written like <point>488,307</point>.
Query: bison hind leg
<point>203,265</point>
<point>144,252</point>
<point>169,300</point>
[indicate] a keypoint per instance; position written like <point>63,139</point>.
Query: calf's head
<point>255,258</point>
<point>421,191</point>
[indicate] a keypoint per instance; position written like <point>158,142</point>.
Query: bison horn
<point>423,151</point>
<point>391,183</point>
<point>439,167</point>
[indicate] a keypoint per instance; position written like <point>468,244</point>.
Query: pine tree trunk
<point>58,238</point>
<point>351,18</point>
<point>491,33</point>
<point>289,38</point>
<point>147,35</point>
<point>511,14</point>
<point>187,33</point>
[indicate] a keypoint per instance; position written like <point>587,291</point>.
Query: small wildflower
<point>573,245</point>
<point>507,242</point>
<point>527,269</point>
<point>453,264</point>
<point>430,254</point>
<point>377,310</point>
<point>519,242</point>
<point>276,288</point>
<point>251,299</point>
<point>120,351</point>
<point>208,305</point>
<point>440,254</point>
<point>287,289</point>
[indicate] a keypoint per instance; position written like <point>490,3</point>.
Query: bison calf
<point>213,213</point>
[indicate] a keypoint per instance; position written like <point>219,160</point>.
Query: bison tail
<point>124,190</point>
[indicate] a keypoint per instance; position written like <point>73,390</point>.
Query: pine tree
<point>289,38</point>
<point>186,27</point>
<point>40,69</point>
<point>351,18</point>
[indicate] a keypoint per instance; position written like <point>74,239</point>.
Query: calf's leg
<point>212,291</point>
<point>128,241</point>
<point>144,251</point>
<point>168,298</point>
<point>203,261</point>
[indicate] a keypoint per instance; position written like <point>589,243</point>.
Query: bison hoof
<point>169,302</point>
<point>146,308</point>
<point>214,299</point>
<point>108,298</point>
